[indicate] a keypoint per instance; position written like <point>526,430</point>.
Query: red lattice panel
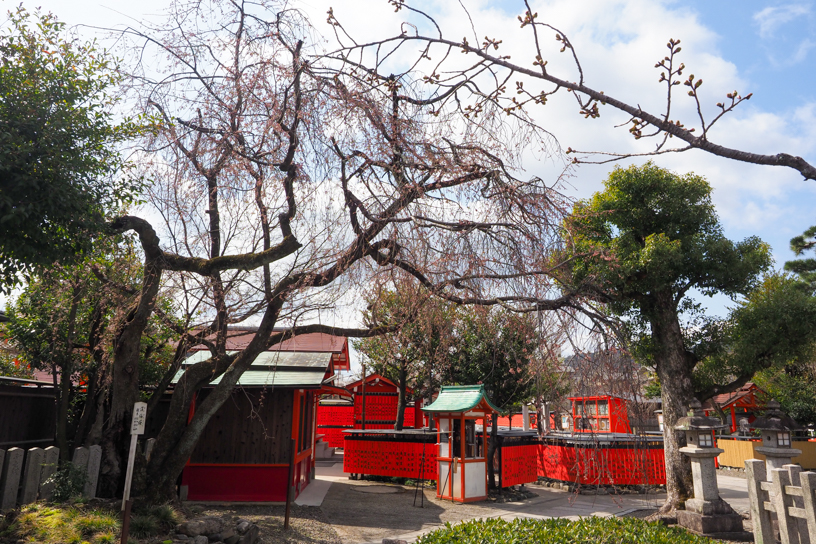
<point>333,436</point>
<point>378,408</point>
<point>397,459</point>
<point>335,415</point>
<point>596,466</point>
<point>519,464</point>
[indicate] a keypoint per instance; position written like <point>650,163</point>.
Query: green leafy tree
<point>493,347</point>
<point>58,144</point>
<point>794,388</point>
<point>647,240</point>
<point>771,329</point>
<point>64,322</point>
<point>419,344</point>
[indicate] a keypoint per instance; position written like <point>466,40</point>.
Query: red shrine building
<point>243,453</point>
<point>737,405</point>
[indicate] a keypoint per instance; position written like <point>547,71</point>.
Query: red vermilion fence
<point>332,420</point>
<point>619,462</point>
<point>391,454</point>
<point>518,464</point>
<point>586,460</point>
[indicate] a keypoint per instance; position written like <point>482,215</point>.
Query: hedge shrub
<point>592,530</point>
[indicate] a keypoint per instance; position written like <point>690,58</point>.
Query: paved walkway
<point>366,512</point>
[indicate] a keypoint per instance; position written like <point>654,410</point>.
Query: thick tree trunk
<point>124,390</point>
<point>674,373</point>
<point>402,385</point>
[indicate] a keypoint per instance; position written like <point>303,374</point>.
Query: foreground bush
<point>592,530</point>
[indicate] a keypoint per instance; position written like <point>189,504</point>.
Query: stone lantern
<point>706,513</point>
<point>775,428</point>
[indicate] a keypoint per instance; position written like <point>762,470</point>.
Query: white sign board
<point>137,424</point>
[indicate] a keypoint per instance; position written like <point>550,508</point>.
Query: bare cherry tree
<point>281,181</point>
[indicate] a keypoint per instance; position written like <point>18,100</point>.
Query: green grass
<point>591,530</point>
<point>66,524</point>
<point>142,526</point>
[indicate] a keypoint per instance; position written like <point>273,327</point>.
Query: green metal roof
<point>274,368</point>
<point>459,398</point>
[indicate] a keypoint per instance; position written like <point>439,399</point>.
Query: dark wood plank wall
<point>252,427</point>
<point>27,416</point>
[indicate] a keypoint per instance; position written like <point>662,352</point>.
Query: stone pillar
<point>49,467</point>
<point>525,416</point>
<point>10,482</point>
<point>94,462</point>
<point>31,476</point>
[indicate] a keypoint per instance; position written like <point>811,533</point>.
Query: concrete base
<point>709,525</point>
<point>717,507</point>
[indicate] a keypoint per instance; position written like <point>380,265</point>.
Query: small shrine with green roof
<point>462,451</point>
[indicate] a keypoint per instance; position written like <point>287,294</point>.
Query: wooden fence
<point>25,474</point>
<point>736,452</point>
<point>27,416</point>
<point>794,505</point>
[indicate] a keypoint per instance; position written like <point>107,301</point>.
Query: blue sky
<point>767,48</point>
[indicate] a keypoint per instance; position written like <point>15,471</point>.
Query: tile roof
<point>239,338</point>
<point>272,368</point>
<point>459,398</point>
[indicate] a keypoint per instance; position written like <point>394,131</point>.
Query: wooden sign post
<point>137,427</point>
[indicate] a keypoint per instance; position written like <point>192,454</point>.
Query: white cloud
<point>773,17</point>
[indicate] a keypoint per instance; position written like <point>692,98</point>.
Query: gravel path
<point>308,525</point>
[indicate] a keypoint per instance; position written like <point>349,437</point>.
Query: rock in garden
<point>200,539</point>
<point>242,526</point>
<point>250,536</point>
<point>202,526</point>
<point>223,535</point>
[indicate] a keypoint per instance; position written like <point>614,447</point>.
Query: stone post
<point>10,482</point>
<point>49,467</point>
<point>80,458</point>
<point>94,462</point>
<point>31,476</point>
<point>795,472</point>
<point>763,525</point>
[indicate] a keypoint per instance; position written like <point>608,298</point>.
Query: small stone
<point>233,539</point>
<point>243,525</point>
<point>200,539</point>
<point>250,536</point>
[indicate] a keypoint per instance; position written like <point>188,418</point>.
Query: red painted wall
<point>240,483</point>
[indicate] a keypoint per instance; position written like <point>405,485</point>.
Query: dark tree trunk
<point>66,372</point>
<point>491,451</point>
<point>674,372</point>
<point>177,439</point>
<point>402,385</point>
